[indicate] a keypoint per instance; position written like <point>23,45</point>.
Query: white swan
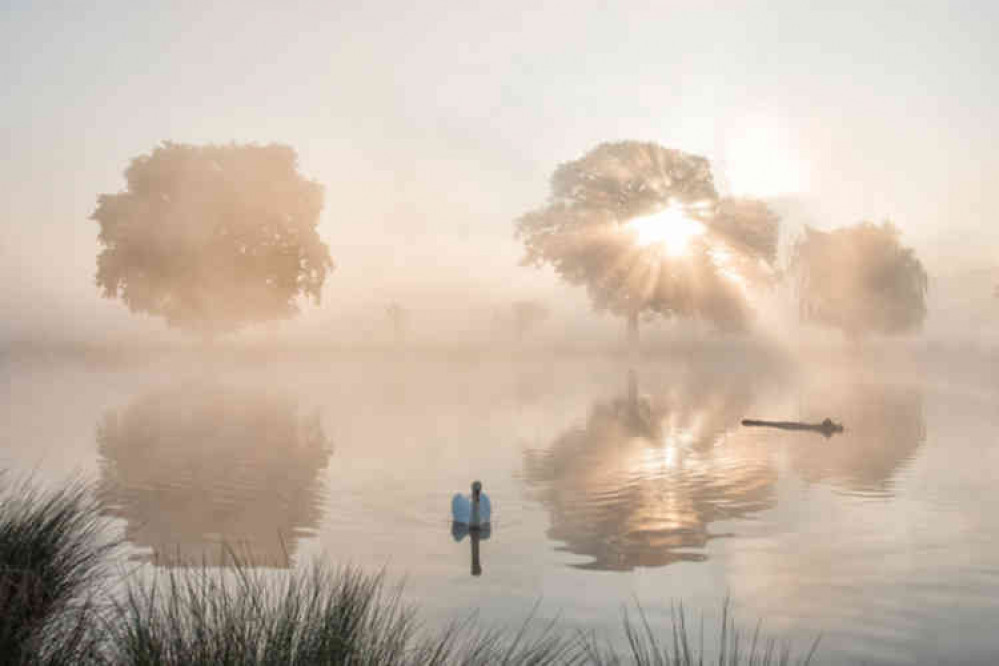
<point>473,511</point>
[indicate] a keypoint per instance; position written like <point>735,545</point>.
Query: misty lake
<point>610,484</point>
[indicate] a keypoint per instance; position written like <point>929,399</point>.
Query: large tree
<point>860,279</point>
<point>213,237</point>
<point>642,228</point>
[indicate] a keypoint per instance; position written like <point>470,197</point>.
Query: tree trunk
<point>633,339</point>
<point>632,390</point>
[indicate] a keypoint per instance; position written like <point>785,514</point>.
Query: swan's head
<point>476,488</point>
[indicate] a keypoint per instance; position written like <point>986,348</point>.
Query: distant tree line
<point>215,237</point>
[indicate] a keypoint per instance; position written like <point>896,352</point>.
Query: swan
<point>473,511</point>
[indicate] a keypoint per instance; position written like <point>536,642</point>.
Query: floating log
<point>828,427</point>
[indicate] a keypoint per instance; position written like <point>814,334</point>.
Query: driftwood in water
<point>827,427</point>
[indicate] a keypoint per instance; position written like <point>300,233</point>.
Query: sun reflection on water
<point>640,484</point>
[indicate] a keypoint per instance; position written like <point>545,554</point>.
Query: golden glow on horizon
<point>669,227</point>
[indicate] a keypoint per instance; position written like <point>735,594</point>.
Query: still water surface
<point>609,484</point>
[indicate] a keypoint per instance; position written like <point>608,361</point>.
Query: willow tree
<point>861,280</point>
<point>643,229</point>
<point>213,237</point>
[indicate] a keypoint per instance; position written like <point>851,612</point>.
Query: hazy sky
<point>433,125</point>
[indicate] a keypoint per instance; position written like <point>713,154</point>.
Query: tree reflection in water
<point>639,484</point>
<point>193,467</point>
<point>884,427</point>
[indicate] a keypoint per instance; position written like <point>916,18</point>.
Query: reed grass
<point>674,645</point>
<point>242,616</point>
<point>53,559</point>
<point>320,615</point>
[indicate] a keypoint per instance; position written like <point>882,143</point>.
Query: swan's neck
<point>475,510</point>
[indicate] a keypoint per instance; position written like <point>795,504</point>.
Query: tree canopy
<point>213,237</point>
<point>860,279</point>
<point>642,227</point>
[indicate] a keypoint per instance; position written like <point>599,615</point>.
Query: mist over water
<point>609,481</point>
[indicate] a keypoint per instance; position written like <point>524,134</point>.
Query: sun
<point>670,228</point>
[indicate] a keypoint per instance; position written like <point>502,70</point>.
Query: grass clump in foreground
<point>204,616</point>
<point>56,607</point>
<point>52,562</point>
<point>647,648</point>
<point>317,616</point>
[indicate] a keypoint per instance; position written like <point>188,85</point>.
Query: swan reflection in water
<point>641,481</point>
<point>460,530</point>
<point>199,472</point>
